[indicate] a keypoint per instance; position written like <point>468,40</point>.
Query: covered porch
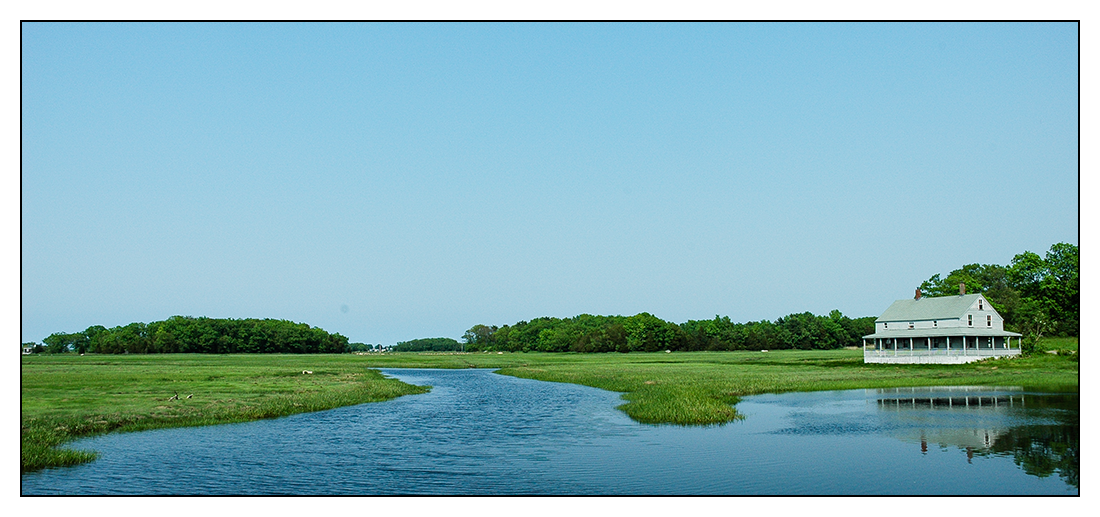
<point>939,346</point>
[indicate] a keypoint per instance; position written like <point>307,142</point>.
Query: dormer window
<point>970,320</point>
<point>885,325</point>
<point>935,323</point>
<point>910,325</point>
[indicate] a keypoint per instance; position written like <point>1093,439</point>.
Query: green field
<point>69,396</point>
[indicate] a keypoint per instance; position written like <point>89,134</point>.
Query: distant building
<point>943,329</point>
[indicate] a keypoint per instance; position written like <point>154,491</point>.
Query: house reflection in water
<point>930,412</point>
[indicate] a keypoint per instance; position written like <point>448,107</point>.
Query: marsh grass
<point>69,396</point>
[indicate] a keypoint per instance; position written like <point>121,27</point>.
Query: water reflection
<point>1042,450</point>
<point>1041,432</point>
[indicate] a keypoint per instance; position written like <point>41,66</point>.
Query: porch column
<point>929,344</point>
<point>910,346</point>
<point>964,345</point>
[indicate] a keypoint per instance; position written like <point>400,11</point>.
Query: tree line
<point>430,344</point>
<point>1035,295</point>
<point>186,334</point>
<point>647,333</point>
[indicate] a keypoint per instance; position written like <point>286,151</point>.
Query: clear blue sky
<point>396,181</point>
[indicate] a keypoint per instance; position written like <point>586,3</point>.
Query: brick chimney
<point>962,288</point>
<point>917,297</point>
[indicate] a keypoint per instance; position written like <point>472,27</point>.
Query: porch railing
<point>943,352</point>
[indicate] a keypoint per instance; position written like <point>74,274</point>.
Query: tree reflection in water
<point>1040,450</point>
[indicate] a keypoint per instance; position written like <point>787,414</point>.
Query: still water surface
<point>477,432</point>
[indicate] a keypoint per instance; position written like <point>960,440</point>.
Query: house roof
<point>929,308</point>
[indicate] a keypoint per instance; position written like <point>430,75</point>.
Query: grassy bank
<point>701,387</point>
<point>68,396</point>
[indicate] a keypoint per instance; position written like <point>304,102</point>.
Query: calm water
<point>477,432</point>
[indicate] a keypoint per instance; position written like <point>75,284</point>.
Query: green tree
<point>648,333</point>
<point>1034,322</point>
<point>164,341</point>
<point>989,279</point>
<point>1063,286</point>
<point>432,344</point>
<point>1027,272</point>
<point>94,335</point>
<point>609,338</point>
<point>479,337</point>
<point>1053,282</point>
<point>58,342</point>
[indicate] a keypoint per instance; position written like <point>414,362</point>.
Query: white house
<point>942,329</point>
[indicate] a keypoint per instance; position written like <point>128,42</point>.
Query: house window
<point>885,325</point>
<point>970,320</point>
<point>935,323</point>
<point>910,325</point>
<point>989,321</point>
<point>980,304</point>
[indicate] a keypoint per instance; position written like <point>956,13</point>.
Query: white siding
<point>929,324</point>
<point>980,315</point>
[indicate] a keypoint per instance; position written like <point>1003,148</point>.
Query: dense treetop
<point>431,344</point>
<point>647,333</point>
<point>1035,295</point>
<point>183,334</point>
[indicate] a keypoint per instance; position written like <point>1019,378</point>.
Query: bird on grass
<point>189,396</point>
<point>175,397</point>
